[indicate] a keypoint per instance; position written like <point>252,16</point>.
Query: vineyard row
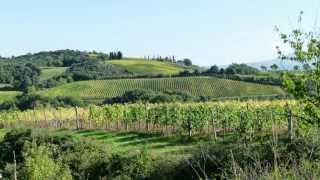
<point>184,118</point>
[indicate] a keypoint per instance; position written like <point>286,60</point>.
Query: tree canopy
<point>20,76</point>
<point>306,86</point>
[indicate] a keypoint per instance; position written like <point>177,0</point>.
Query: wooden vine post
<point>214,125</point>
<point>45,117</point>
<point>290,123</point>
<point>146,106</point>
<point>78,125</point>
<point>90,117</point>
<point>14,166</point>
<point>125,115</point>
<point>190,128</point>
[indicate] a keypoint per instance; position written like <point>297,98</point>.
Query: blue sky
<point>207,31</point>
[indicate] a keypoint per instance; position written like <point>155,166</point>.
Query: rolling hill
<point>198,86</point>
<point>282,64</point>
<point>147,67</point>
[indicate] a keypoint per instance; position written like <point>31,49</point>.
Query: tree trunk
<point>77,118</point>
<point>190,128</point>
<point>14,166</point>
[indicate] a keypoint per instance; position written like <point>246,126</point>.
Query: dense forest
<point>20,76</point>
<point>59,58</point>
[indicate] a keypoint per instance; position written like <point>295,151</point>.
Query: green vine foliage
<point>234,116</point>
<point>305,46</point>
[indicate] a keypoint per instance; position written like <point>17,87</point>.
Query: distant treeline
<point>32,101</point>
<point>66,58</point>
<point>60,58</point>
<point>171,59</point>
<point>238,72</point>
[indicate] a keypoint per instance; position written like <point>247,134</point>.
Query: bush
<point>36,150</point>
<point>43,155</point>
<point>56,81</point>
<point>243,69</point>
<point>95,70</point>
<point>39,164</point>
<point>32,101</point>
<point>138,166</point>
<point>20,76</point>
<point>220,161</point>
<point>141,95</point>
<point>269,80</point>
<point>187,62</point>
<point>13,141</point>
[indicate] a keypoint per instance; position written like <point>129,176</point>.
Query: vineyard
<point>243,118</point>
<point>197,86</point>
<point>145,67</point>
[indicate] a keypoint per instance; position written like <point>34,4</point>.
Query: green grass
<point>198,86</point>
<point>8,95</point>
<point>49,72</point>
<point>143,67</point>
<point>173,147</point>
<point>126,142</point>
<point>2,133</point>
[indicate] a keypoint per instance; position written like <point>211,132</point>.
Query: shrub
<point>40,165</point>
<point>141,95</point>
<point>221,163</point>
<point>95,70</point>
<point>32,101</point>
<point>20,76</point>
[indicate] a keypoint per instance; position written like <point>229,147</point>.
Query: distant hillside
<point>198,86</point>
<point>148,67</point>
<point>61,59</point>
<point>282,64</point>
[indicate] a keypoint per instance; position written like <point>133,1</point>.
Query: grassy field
<point>131,142</point>
<point>142,67</point>
<point>127,142</point>
<point>199,86</point>
<point>8,95</point>
<point>49,72</point>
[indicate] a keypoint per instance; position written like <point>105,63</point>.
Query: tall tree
<point>187,62</point>
<point>230,71</point>
<point>264,68</point>
<point>274,67</point>
<point>296,68</point>
<point>119,55</point>
<point>213,69</point>
<point>306,87</point>
<point>306,67</point>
